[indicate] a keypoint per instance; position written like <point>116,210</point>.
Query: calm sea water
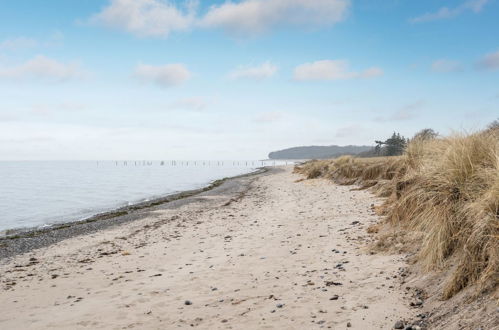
<point>39,193</point>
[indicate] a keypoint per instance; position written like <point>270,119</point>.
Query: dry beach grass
<point>445,191</point>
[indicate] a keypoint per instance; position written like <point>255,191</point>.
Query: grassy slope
<point>445,191</point>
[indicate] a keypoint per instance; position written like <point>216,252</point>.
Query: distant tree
<point>393,146</point>
<point>493,126</point>
<point>425,134</point>
<point>379,147</point>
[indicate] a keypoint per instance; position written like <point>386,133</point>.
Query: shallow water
<point>38,193</point>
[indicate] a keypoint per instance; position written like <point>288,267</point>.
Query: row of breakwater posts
<point>238,163</point>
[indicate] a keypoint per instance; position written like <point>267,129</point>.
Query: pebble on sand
<point>399,325</point>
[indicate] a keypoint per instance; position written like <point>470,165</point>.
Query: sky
<point>159,79</point>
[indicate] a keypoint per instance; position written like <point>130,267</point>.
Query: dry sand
<point>282,254</point>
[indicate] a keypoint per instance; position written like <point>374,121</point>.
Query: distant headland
<point>318,152</point>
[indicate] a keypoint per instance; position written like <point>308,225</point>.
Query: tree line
<point>395,145</point>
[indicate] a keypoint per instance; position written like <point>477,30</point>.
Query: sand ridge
<point>285,254</point>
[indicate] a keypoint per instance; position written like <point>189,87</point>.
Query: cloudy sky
<point>163,79</point>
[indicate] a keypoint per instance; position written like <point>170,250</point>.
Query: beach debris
<point>107,253</point>
<point>399,325</point>
<point>335,297</point>
<point>340,266</point>
<point>188,302</point>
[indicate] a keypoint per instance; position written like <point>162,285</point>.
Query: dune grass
<point>446,190</point>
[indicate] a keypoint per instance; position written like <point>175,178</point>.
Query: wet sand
<point>270,252</point>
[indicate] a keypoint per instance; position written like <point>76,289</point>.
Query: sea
<point>43,193</point>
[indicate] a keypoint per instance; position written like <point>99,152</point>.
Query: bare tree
<point>425,134</point>
<point>493,126</point>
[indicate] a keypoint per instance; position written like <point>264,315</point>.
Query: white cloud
<point>489,61</point>
<point>44,68</point>
<point>265,70</point>
<point>250,17</point>
<point>18,43</point>
<point>49,109</point>
<point>474,6</point>
<point>158,18</point>
<point>164,75</point>
<point>146,18</point>
<point>42,110</point>
<point>405,113</point>
<point>7,117</point>
<point>348,131</point>
<point>370,73</point>
<point>269,117</point>
<point>71,106</point>
<point>331,70</point>
<point>55,39</point>
<point>191,103</point>
<point>444,65</point>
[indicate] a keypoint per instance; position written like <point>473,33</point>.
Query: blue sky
<point>157,79</point>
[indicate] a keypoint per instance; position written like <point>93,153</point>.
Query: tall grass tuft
<point>446,190</point>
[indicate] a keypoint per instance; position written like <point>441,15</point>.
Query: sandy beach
<point>259,252</point>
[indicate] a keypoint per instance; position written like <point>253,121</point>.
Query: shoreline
<point>264,251</point>
<point>22,240</point>
<point>272,250</point>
